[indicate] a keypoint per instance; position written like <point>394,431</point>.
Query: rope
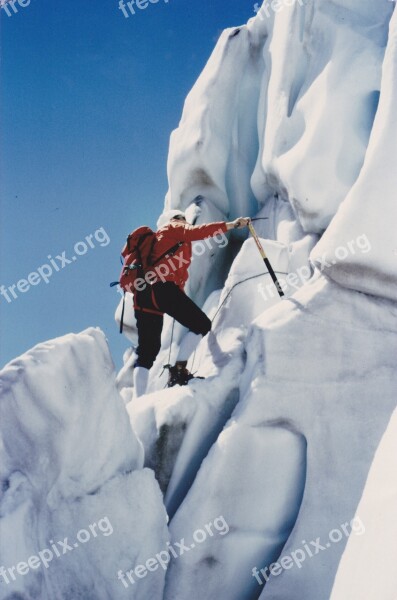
<point>172,337</point>
<point>223,302</point>
<point>238,283</point>
<point>232,288</point>
<point>194,356</point>
<point>227,296</point>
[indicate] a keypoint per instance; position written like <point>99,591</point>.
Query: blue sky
<point>89,99</point>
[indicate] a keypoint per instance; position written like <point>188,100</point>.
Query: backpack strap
<point>140,266</point>
<point>149,258</point>
<point>169,252</point>
<point>139,242</point>
<point>122,315</point>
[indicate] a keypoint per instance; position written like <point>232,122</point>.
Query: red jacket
<point>177,265</point>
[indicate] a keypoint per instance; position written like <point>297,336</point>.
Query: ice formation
<point>70,460</point>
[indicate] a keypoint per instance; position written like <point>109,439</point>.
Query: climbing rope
<point>227,296</point>
<point>239,283</point>
<point>269,272</point>
<point>172,337</point>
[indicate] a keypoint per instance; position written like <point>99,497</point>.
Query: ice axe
<point>265,259</point>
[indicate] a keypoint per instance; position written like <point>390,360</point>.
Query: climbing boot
<point>178,374</point>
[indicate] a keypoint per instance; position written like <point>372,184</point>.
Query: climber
<point>165,294</point>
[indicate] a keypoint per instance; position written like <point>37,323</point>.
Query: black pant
<point>172,301</point>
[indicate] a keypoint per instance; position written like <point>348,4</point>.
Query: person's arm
<point>193,233</point>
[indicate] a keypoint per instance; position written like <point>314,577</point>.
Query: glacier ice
<point>377,547</point>
<point>70,459</point>
<point>370,209</point>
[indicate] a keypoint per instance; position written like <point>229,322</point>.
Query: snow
<point>233,482</point>
<point>378,546</point>
<point>179,426</point>
<point>318,100</point>
<point>301,89</point>
<point>294,444</point>
<point>213,151</point>
<point>374,195</point>
<point>70,459</point>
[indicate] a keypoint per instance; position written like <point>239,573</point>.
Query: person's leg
<point>149,343</point>
<point>171,300</point>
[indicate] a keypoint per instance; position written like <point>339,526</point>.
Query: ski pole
<point>265,259</point>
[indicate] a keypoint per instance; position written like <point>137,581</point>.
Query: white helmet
<point>166,217</point>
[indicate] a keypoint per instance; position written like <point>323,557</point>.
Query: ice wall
<point>318,103</point>
<point>213,151</point>
<point>318,68</point>
<point>289,468</point>
<point>370,209</point>
<point>70,460</point>
<point>293,121</point>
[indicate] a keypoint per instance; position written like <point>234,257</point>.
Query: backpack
<point>137,259</point>
<point>136,255</point>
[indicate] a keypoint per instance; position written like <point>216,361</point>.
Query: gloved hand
<point>241,222</point>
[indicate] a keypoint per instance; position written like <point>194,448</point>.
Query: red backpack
<point>136,256</point>
<point>136,253</point>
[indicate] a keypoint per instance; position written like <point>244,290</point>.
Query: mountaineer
<point>163,265</point>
